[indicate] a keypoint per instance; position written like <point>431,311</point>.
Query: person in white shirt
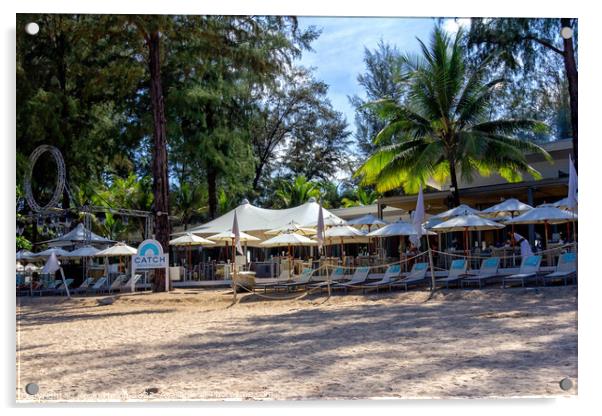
<point>525,247</point>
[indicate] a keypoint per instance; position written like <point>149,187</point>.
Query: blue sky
<point>339,51</point>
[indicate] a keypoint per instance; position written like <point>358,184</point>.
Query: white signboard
<point>150,256</point>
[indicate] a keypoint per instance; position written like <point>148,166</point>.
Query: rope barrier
<point>475,256</point>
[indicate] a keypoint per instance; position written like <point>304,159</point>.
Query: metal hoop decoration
<point>60,183</point>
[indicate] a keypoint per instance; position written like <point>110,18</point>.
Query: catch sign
<point>150,256</point>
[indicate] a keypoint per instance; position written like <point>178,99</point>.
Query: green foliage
<point>295,192</point>
<point>23,243</point>
<point>360,197</point>
<point>444,126</point>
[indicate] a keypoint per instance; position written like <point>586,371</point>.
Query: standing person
<point>525,247</point>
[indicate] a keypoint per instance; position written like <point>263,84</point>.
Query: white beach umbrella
<point>117,250</point>
<point>398,228</point>
<point>229,236</point>
<point>369,220</point>
<point>24,255</point>
<point>342,234</point>
<point>509,207</point>
<point>19,267</point>
<point>288,240</point>
<point>86,251</point>
<point>292,227</point>
<point>30,267</point>
<point>190,239</point>
<point>329,221</point>
<point>544,215</point>
<point>457,211</point>
<point>58,252</point>
<point>466,223</point>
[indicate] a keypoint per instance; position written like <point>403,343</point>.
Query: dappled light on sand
<point>192,345</point>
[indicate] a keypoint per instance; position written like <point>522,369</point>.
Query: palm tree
<point>296,192</point>
<point>443,127</point>
<point>189,201</point>
<point>360,197</point>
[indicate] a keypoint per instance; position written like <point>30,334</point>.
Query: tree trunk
<point>570,67</point>
<point>454,182</point>
<point>212,191</point>
<point>159,167</point>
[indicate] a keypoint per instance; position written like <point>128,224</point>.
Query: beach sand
<point>190,345</point>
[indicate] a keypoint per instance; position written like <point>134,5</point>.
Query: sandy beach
<point>191,345</point>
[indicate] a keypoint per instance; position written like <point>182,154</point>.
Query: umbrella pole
<point>290,272</point>
<point>466,248</point>
<point>545,224</point>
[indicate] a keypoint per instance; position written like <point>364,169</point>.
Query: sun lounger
<point>357,279</point>
<point>99,286</point>
<point>528,271</point>
<point>117,283</point>
<point>566,268</point>
<point>457,272</point>
<point>86,284</point>
<point>303,280</point>
<point>47,288</point>
<point>391,274</point>
<point>487,272</point>
<point>127,286</point>
<point>337,274</point>
<point>416,277</point>
<point>283,278</point>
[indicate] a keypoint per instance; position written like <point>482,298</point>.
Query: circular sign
<point>32,28</point>
<point>60,182</point>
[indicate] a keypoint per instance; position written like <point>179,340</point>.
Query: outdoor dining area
<point>280,245</point>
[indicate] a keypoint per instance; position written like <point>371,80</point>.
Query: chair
<point>357,279</point>
<point>99,286</point>
<point>457,271</point>
<point>86,284</point>
<point>46,287</point>
<point>337,274</point>
<point>391,274</point>
<point>487,272</point>
<point>565,269</point>
<point>62,287</point>
<point>415,277</point>
<point>303,280</point>
<point>128,285</point>
<point>528,271</point>
<point>117,283</point>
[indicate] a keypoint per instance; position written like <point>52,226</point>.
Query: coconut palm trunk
<point>159,163</point>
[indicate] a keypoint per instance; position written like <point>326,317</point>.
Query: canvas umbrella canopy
<point>508,208</point>
<point>86,251</point>
<point>289,240</point>
<point>78,235</point>
<point>398,228</point>
<point>457,211</point>
<point>342,234</point>
<point>118,250</point>
<point>228,237</point>
<point>329,221</point>
<point>19,267</point>
<point>292,227</point>
<point>544,215</point>
<point>59,252</point>
<point>466,223</point>
<point>189,240</point>
<point>31,267</point>
<point>24,255</point>
<point>369,220</point>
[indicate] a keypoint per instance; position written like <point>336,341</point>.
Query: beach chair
<point>528,271</point>
<point>303,280</point>
<point>357,279</point>
<point>337,274</point>
<point>99,286</point>
<point>283,278</point>
<point>62,287</point>
<point>46,288</point>
<point>457,271</point>
<point>127,286</point>
<point>416,277</point>
<point>487,272</point>
<point>565,269</point>
<point>391,274</point>
<point>117,283</point>
<point>86,284</point>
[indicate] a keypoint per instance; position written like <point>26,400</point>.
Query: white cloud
<point>452,25</point>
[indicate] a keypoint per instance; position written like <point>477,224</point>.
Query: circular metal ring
<point>60,183</point>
